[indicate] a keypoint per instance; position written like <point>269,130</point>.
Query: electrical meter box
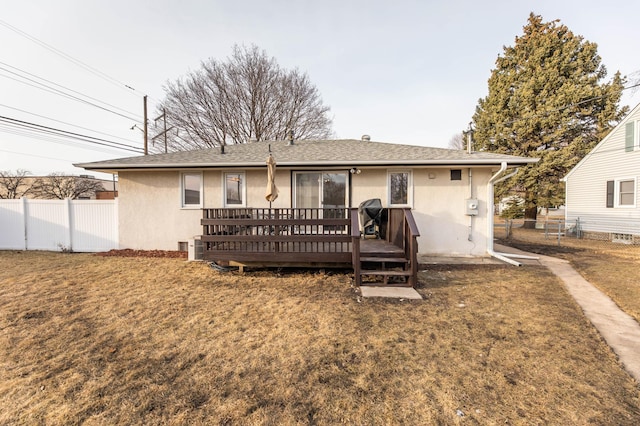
<point>471,206</point>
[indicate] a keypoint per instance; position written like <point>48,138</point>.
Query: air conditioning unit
<point>195,249</point>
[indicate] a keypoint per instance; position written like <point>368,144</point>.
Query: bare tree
<point>248,97</point>
<point>458,141</point>
<point>61,186</point>
<point>14,185</point>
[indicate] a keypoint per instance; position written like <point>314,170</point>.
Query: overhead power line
<point>71,59</point>
<point>37,128</point>
<point>59,85</point>
<point>68,124</point>
<point>39,85</point>
<point>53,139</point>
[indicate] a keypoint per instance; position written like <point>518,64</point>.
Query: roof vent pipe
<point>290,137</point>
<point>222,148</point>
<point>366,138</point>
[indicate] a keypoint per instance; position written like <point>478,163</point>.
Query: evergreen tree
<point>547,99</point>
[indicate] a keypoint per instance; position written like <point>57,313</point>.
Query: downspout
<point>470,237</point>
<point>490,212</point>
<point>509,255</point>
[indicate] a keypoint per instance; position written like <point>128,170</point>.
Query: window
<point>626,193</point>
<point>621,193</point>
<point>400,188</point>
<point>191,189</point>
<point>234,189</point>
<point>456,174</point>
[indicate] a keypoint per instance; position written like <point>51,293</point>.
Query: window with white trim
<point>400,188</point>
<point>191,190</point>
<point>626,193</point>
<point>234,189</point>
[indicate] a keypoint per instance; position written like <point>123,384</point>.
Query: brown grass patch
<point>106,340</point>
<point>613,268</point>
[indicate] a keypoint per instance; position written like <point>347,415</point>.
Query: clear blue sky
<point>403,71</point>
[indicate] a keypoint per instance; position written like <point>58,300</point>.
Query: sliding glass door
<point>322,190</point>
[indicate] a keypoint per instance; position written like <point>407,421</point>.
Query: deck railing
<point>403,218</point>
<point>400,230</point>
<point>285,236</point>
<point>301,236</point>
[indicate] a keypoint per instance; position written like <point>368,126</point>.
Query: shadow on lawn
<point>445,276</point>
<point>544,249</point>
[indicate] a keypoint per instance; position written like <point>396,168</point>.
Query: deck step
<point>384,259</point>
<point>387,284</point>
<point>385,273</point>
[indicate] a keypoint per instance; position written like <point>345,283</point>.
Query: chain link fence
<point>560,232</point>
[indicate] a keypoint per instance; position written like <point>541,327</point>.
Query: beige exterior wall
<point>151,217</point>
<point>149,212</point>
<point>257,188</point>
<point>438,206</point>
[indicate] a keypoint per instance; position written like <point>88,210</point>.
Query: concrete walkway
<point>619,330</point>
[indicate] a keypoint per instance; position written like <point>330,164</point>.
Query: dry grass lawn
<point>94,340</point>
<point>613,268</point>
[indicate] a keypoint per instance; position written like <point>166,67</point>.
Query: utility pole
<point>164,132</point>
<point>146,137</point>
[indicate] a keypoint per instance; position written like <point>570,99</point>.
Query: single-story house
<point>166,199</point>
<point>602,189</point>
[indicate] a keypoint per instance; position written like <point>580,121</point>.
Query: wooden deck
<point>312,238</point>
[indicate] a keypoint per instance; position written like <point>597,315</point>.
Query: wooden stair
<point>384,264</point>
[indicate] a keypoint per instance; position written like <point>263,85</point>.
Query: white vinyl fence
<point>59,225</point>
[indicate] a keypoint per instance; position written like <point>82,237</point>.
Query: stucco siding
<point>257,187</point>
<point>439,209</point>
<point>151,217</point>
<point>438,206</point>
<point>149,212</point>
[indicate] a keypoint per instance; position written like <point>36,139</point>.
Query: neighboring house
<point>162,196</point>
<point>109,191</point>
<point>602,189</point>
<point>509,201</point>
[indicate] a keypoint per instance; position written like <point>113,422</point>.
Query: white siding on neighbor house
<point>586,184</point>
<point>55,225</point>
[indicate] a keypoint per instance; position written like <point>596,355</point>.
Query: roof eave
<point>462,162</point>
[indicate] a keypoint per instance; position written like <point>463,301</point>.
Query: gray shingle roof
<point>321,153</point>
